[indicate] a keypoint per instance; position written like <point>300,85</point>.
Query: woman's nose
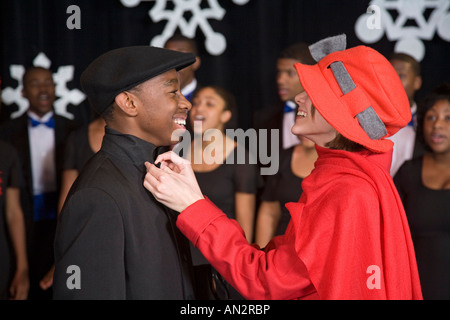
<point>301,98</point>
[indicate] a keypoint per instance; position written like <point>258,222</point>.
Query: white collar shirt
<point>42,153</point>
<point>289,139</point>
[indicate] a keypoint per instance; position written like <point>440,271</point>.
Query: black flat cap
<point>121,69</point>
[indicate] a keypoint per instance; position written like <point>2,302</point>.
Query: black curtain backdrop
<point>255,34</point>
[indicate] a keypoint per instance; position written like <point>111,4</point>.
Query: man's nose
<point>184,103</point>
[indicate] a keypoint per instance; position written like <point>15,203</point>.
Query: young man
<point>115,238</point>
<point>348,237</point>
<point>288,87</point>
<point>39,136</point>
<point>406,145</point>
<point>188,80</point>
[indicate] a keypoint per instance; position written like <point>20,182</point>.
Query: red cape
<point>351,229</point>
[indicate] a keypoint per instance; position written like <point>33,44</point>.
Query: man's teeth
<point>302,114</point>
<point>181,122</point>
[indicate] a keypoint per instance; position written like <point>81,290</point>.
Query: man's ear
<point>197,63</point>
<point>125,101</point>
<point>417,83</point>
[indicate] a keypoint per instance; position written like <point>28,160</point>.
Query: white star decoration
<point>215,42</point>
<point>409,38</point>
<point>63,94</point>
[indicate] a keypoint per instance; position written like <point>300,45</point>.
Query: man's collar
<point>291,104</point>
<point>129,148</point>
<point>44,118</point>
<point>414,108</point>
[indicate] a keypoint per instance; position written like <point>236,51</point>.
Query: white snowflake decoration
<point>61,77</point>
<point>409,38</point>
<point>215,43</point>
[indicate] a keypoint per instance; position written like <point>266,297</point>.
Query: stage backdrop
<point>238,39</point>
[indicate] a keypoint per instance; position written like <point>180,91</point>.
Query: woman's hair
<point>441,92</point>
<point>298,51</point>
<point>340,142</point>
<point>230,104</point>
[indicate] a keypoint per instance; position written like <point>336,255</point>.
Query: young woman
<point>424,187</point>
<point>348,237</point>
<point>81,145</point>
<point>14,278</point>
<point>214,157</point>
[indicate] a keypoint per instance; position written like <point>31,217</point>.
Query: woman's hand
<point>47,281</point>
<point>19,285</point>
<point>174,183</point>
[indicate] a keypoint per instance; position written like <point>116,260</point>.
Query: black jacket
<point>124,242</point>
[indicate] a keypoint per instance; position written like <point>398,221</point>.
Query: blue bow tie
<point>49,123</point>
<point>288,108</point>
<point>412,123</point>
<point>188,96</point>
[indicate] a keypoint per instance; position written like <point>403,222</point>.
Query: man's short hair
<point>298,51</point>
<point>179,37</point>
<point>108,113</point>
<point>31,69</point>
<point>415,65</point>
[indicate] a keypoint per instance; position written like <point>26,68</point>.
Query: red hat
<point>357,91</point>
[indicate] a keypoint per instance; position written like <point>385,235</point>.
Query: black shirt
<point>234,175</point>
<point>10,177</point>
<point>428,213</point>
<point>284,187</point>
<point>78,149</point>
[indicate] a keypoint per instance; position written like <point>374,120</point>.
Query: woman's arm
<point>275,273</point>
<point>269,214</point>
<point>16,227</point>
<point>245,212</point>
<point>68,178</point>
